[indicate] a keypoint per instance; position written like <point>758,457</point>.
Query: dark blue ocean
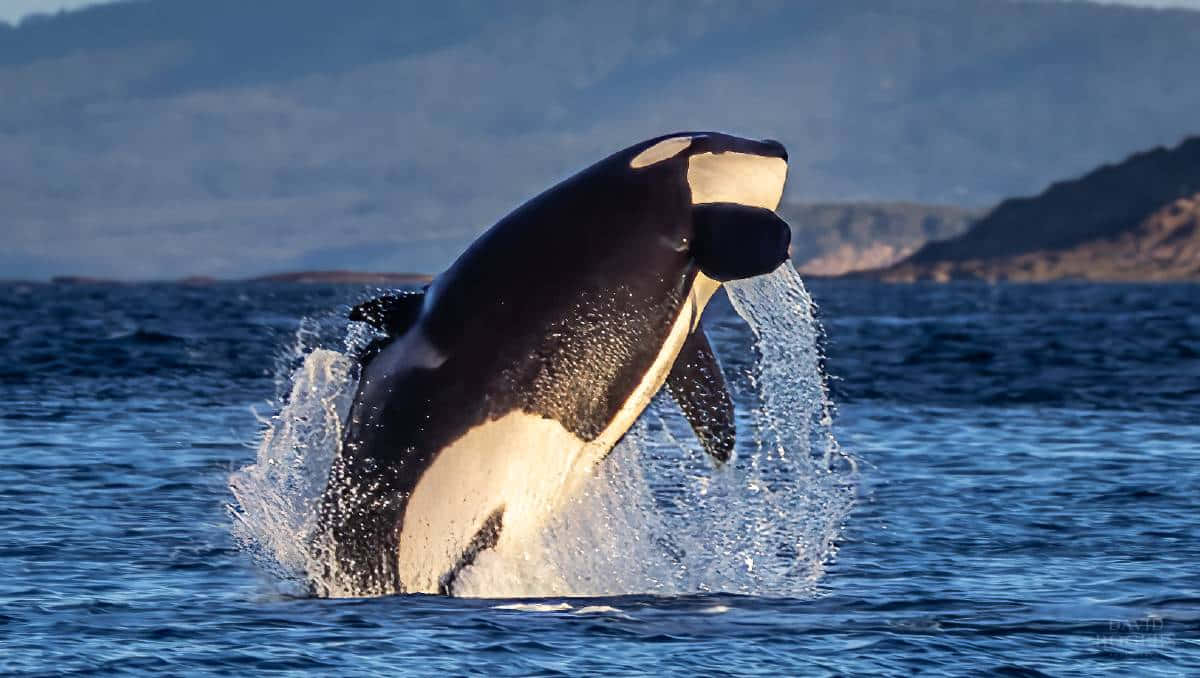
<point>1026,500</point>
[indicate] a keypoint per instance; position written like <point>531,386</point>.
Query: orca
<point>493,393</point>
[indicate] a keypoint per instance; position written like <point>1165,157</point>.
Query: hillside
<point>1164,246</point>
<point>231,138</point>
<point>1130,221</point>
<point>836,238</point>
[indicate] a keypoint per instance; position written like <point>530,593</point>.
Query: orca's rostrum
<point>496,390</point>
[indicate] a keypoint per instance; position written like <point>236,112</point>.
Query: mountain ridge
<point>1131,220</point>
<point>228,138</point>
<point>836,238</point>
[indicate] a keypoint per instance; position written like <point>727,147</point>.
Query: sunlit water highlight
<point>657,517</point>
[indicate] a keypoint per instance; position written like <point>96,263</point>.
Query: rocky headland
<point>1138,220</point>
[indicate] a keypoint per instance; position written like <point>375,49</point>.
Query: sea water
<point>993,479</point>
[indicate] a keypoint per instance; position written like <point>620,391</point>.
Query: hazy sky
<point>1188,4</point>
<point>13,10</point>
<point>384,135</point>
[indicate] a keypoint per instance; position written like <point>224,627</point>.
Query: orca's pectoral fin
<point>734,241</point>
<point>696,383</point>
<point>391,313</point>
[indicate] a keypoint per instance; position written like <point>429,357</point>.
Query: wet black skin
<point>558,311</point>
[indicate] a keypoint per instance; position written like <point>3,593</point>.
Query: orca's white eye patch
<point>742,178</point>
<point>663,150</point>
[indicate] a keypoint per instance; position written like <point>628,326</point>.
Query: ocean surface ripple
<point>1028,460</point>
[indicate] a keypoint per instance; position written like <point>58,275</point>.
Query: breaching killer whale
<point>497,389</point>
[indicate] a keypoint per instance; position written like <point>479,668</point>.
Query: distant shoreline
<point>343,277</point>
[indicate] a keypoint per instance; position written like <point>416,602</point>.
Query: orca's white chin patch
<point>742,178</point>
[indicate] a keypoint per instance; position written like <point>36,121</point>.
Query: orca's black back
<point>558,311</point>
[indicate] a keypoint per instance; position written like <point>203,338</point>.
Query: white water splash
<point>660,518</point>
<point>804,482</point>
<point>277,496</point>
<point>657,517</point>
